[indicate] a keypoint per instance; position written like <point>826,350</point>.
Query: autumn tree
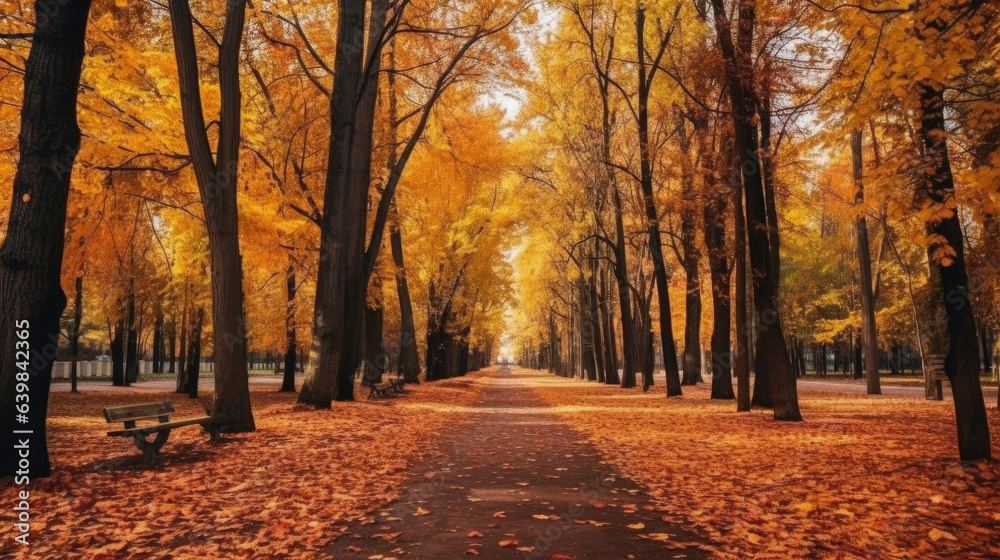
<point>217,181</point>
<point>31,256</point>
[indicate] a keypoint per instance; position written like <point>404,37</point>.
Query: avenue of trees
<point>190,177</point>
<point>726,186</point>
<point>824,177</point>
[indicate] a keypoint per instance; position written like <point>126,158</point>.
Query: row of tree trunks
<point>775,380</point>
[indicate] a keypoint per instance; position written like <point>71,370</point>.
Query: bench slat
<point>138,411</point>
<point>147,430</point>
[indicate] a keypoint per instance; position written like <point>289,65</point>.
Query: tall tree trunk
<point>947,261</point>
<point>194,355</point>
<point>610,340</point>
<point>409,360</point>
<point>869,339</point>
<point>624,298</point>
<point>715,241</point>
<point>131,338</point>
<point>690,256</point>
<point>172,344</point>
<point>596,325</point>
<point>158,341</point>
<point>118,355</point>
<point>653,224</point>
<point>767,166</point>
<point>31,297</point>
<point>74,337</point>
<point>339,307</point>
<point>288,377</point>
<point>588,353</point>
<point>217,182</point>
<point>182,378</point>
<point>741,362</point>
<point>772,354</point>
<point>376,358</point>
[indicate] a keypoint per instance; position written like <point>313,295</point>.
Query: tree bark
<point>194,355</point>
<point>741,362</point>
<point>596,325</point>
<point>172,344</point>
<point>947,261</point>
<point>772,353</point>
<point>31,297</point>
<point>288,377</point>
<point>158,341</point>
<point>118,355</point>
<point>131,338</point>
<point>409,359</point>
<point>182,355</point>
<point>690,257</point>
<point>376,358</point>
<point>653,225</point>
<point>74,337</point>
<point>715,241</point>
<point>217,181</point>
<point>869,338</point>
<point>610,340</point>
<point>339,299</point>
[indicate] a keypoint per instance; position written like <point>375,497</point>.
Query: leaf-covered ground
<point>286,490</point>
<point>861,478</point>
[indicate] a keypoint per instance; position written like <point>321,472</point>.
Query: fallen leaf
<point>937,534</point>
<point>660,537</point>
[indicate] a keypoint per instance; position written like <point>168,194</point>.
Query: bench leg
<point>151,449</point>
<point>213,432</point>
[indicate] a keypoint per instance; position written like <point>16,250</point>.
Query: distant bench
<point>936,373</point>
<point>386,389</point>
<point>160,411</point>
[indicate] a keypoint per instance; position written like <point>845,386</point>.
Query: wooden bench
<point>396,385</point>
<point>380,390</point>
<point>936,373</point>
<point>159,411</point>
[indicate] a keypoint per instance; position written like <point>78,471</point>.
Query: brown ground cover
<point>285,490</point>
<point>861,478</point>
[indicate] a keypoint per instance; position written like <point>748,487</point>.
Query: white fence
<point>60,370</point>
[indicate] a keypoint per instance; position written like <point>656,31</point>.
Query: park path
<point>516,481</point>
